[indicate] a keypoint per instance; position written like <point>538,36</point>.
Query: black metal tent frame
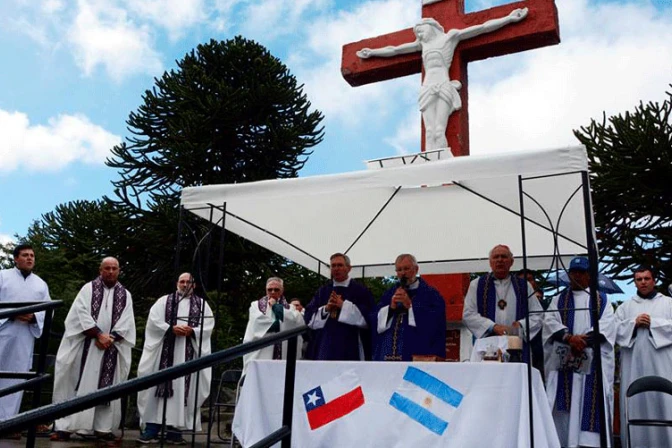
<point>583,188</point>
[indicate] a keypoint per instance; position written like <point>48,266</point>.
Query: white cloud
<point>4,239</point>
<point>273,18</point>
<point>52,6</point>
<point>319,61</point>
<point>610,66</point>
<point>176,16</point>
<point>407,137</point>
<point>104,35</point>
<point>64,140</point>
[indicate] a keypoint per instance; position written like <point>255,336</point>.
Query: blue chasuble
<point>401,341</point>
<point>338,341</point>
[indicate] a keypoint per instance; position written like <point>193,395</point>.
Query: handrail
<point>18,308</point>
<point>58,410</point>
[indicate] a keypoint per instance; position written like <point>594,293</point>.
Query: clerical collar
<point>345,282</point>
<point>649,296</point>
<point>414,285</point>
<point>505,279</point>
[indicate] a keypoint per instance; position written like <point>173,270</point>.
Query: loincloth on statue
<point>446,91</point>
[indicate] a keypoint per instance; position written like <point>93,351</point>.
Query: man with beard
<point>95,353</point>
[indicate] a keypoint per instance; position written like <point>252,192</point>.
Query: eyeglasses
<point>273,289</point>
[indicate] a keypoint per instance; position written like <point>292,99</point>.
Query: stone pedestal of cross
<point>540,28</point>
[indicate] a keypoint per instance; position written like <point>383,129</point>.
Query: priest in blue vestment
<point>337,317</point>
<point>410,318</point>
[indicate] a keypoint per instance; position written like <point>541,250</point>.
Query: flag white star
<point>313,398</point>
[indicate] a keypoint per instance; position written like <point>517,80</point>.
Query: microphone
<point>403,283</point>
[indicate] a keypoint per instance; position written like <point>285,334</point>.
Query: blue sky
<point>73,70</point>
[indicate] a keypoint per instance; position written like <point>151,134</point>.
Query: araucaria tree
<point>630,158</point>
<point>230,112</point>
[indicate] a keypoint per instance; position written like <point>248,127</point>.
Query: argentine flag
<point>426,399</point>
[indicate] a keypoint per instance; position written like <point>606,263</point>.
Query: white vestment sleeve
<point>292,318</point>
<point>319,319</point>
<point>552,322</point>
<point>383,323</point>
<point>477,324</point>
<point>661,328</point>
<point>351,315</point>
<point>536,317</point>
<point>625,327</point>
<point>79,317</point>
<point>36,327</point>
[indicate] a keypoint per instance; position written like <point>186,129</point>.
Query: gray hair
<point>345,257</point>
<point>505,247</point>
<point>277,280</point>
<point>405,256</point>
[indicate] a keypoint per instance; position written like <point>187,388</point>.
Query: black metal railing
<point>57,410</point>
<point>33,379</point>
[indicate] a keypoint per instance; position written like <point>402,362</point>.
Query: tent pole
<point>220,270</point>
<point>527,347</point>
<point>204,279</point>
<point>594,305</point>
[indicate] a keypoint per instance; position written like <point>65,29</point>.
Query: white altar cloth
<point>396,404</point>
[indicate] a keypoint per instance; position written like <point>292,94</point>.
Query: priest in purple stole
<point>572,396</point>
<point>410,318</point>
<point>95,353</point>
<point>337,317</point>
<point>496,303</point>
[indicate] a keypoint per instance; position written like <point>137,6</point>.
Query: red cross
<point>538,29</point>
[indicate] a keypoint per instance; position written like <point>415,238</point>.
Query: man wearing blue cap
<point>572,395</point>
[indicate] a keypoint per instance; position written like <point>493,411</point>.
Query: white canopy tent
<point>448,213</point>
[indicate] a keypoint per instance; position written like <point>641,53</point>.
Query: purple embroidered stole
<point>263,306</point>
<point>486,296</point>
<point>109,362</point>
<point>168,348</point>
<point>563,397</point>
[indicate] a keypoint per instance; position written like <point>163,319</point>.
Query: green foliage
<point>630,158</point>
<point>230,112</point>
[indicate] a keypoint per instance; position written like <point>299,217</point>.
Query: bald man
<point>95,352</point>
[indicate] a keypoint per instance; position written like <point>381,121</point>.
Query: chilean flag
<point>333,400</point>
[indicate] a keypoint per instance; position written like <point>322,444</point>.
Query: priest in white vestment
<point>95,352</point>
<point>271,314</point>
<point>572,396</point>
<point>644,333</point>
<point>178,330</point>
<point>496,303</point>
<point>18,334</point>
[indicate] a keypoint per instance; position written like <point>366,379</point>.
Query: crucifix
<point>538,28</point>
<point>469,37</point>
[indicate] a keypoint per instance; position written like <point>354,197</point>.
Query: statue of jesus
<point>439,96</point>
